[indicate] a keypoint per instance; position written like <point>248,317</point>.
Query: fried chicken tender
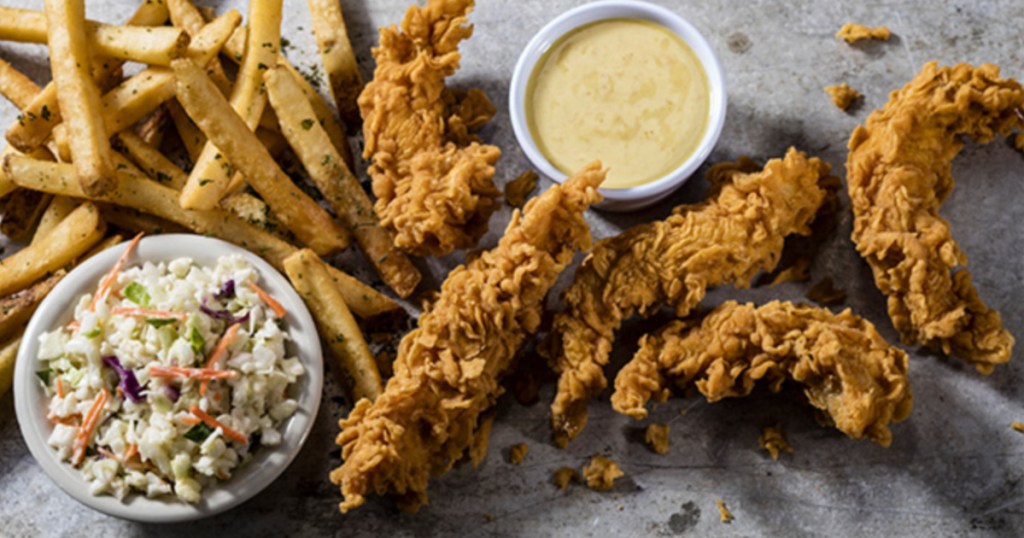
<point>847,369</point>
<point>899,173</point>
<point>447,370</point>
<point>432,178</point>
<point>727,239</point>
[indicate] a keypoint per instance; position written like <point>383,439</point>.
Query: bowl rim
<point>265,466</point>
<point>617,9</point>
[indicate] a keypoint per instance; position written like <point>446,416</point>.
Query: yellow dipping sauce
<point>626,91</point>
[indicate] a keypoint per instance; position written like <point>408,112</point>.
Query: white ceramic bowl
<point>268,462</point>
<point>644,195</point>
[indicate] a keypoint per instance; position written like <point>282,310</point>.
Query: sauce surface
<point>626,91</point>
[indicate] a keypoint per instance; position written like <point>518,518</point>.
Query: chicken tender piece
<point>899,173</point>
<point>847,369</point>
<point>432,178</point>
<point>728,239</point>
<point>852,32</point>
<point>447,371</point>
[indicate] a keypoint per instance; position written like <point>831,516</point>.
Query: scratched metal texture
<point>954,468</point>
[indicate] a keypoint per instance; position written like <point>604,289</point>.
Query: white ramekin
<point>644,195</point>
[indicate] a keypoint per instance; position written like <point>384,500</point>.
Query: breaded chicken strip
<point>847,369</point>
<point>447,370</point>
<point>727,239</point>
<point>899,173</point>
<point>432,178</point>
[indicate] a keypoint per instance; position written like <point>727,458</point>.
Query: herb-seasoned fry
<point>82,229</point>
<point>239,145</point>
<point>190,135</point>
<point>340,188</point>
<point>21,211</point>
<point>210,178</point>
<point>150,160</point>
<point>78,95</point>
<point>324,116</point>
<point>17,309</point>
<point>185,15</point>
<point>8,352</point>
<point>338,57</point>
<point>308,273</point>
<point>56,211</point>
<point>16,87</point>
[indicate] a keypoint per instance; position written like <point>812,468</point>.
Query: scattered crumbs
<point>825,292</point>
<point>774,441</point>
<point>489,517</point>
<point>517,453</point>
<point>620,507</point>
<point>519,188</point>
<point>656,437</point>
<point>601,473</point>
<point>853,32</point>
<point>724,512</point>
<point>1018,141</point>
<point>1018,425</point>
<point>843,96</point>
<point>563,476</point>
<point>798,272</point>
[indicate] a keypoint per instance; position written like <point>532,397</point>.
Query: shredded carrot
<point>191,373</point>
<point>108,280</point>
<point>70,420</point>
<point>73,325</point>
<point>279,310</point>
<point>148,313</point>
<point>214,423</point>
<point>120,393</point>
<point>107,453</point>
<point>131,452</point>
<point>60,387</point>
<point>191,421</point>
<point>85,431</point>
<point>218,351</point>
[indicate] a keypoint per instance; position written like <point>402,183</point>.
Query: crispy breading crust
<point>447,370</point>
<point>899,173</point>
<point>848,370</point>
<point>736,233</point>
<point>432,178</point>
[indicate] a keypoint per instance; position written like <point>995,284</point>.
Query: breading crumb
<point>601,473</point>
<point>517,453</point>
<point>774,441</point>
<point>564,476</point>
<point>1018,141</point>
<point>656,437</point>
<point>843,96</point>
<point>853,32</point>
<point>1018,425</point>
<point>519,188</point>
<point>724,512</point>
<point>798,272</point>
<point>825,292</point>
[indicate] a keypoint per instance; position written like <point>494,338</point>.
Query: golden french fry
<point>150,160</point>
<point>235,47</point>
<point>345,342</point>
<point>21,211</point>
<point>256,212</point>
<point>239,146</point>
<point>211,176</point>
<point>82,229</point>
<point>57,210</point>
<point>340,188</point>
<point>339,59</point>
<point>16,87</point>
<point>16,309</point>
<point>78,95</point>
<point>7,184</point>
<point>153,46</point>
<point>133,221</point>
<point>191,137</point>
<point>151,130</point>
<point>138,192</point>
<point>8,354</point>
<point>324,115</point>
<point>185,15</point>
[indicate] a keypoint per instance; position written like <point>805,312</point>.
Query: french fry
<point>133,222</point>
<point>338,57</point>
<point>138,192</point>
<point>211,176</point>
<point>38,119</point>
<point>256,212</point>
<point>324,115</point>
<point>16,87</point>
<point>240,146</point>
<point>21,211</point>
<point>308,273</point>
<point>151,130</point>
<point>7,184</point>
<point>82,229</point>
<point>153,46</point>
<point>78,95</point>
<point>8,354</point>
<point>274,142</point>
<point>150,160</point>
<point>56,211</point>
<point>340,188</point>
<point>185,15</point>
<point>191,137</point>
<point>16,309</point>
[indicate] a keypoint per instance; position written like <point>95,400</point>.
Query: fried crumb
<point>853,32</point>
<point>489,517</point>
<point>478,448</point>
<point>843,96</point>
<point>1018,425</point>
<point>798,272</point>
<point>1018,141</point>
<point>724,512</point>
<point>519,188</point>
<point>517,453</point>
<point>656,437</point>
<point>601,473</point>
<point>563,476</point>
<point>774,441</point>
<point>825,292</point>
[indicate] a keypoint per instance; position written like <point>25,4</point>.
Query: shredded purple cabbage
<point>223,314</point>
<point>172,393</point>
<point>227,290</point>
<point>129,383</point>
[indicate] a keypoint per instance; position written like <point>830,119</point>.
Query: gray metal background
<point>954,468</point>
